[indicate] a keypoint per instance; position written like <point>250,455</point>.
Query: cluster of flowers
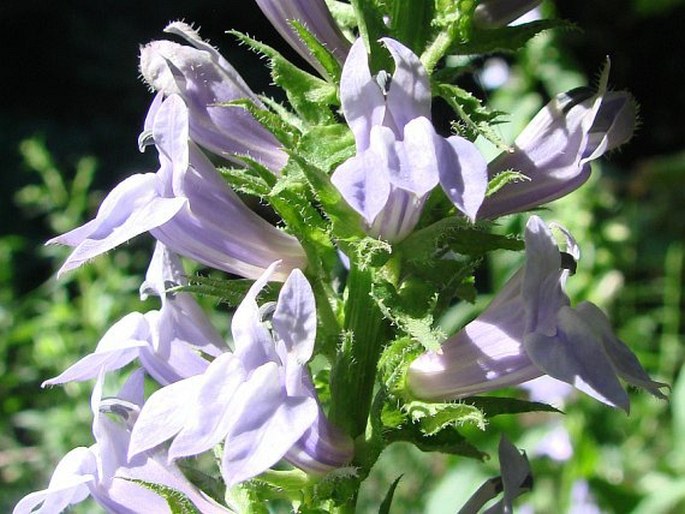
<point>258,397</point>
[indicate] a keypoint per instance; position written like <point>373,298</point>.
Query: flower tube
<point>204,79</point>
<point>316,17</point>
<point>555,149</point>
<point>188,207</point>
<point>400,158</point>
<point>260,400</point>
<point>530,330</point>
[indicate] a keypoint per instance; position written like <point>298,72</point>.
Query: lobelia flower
<point>515,480</point>
<point>555,149</point>
<point>188,207</point>
<point>205,80</point>
<point>259,400</point>
<point>491,14</point>
<point>169,343</point>
<point>400,158</point>
<point>104,472</point>
<point>529,330</point>
<point>316,17</point>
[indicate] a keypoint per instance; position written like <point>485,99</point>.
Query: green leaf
<point>446,441</point>
<point>319,51</point>
<point>309,95</point>
<point>177,501</point>
<point>327,147</point>
<point>477,119</point>
<point>503,178</point>
<point>387,501</point>
<point>504,39</point>
<point>411,22</point>
<point>494,406</point>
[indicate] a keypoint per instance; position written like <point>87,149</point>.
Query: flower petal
<point>362,100</point>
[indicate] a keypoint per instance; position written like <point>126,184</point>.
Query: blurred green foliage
<point>633,249</point>
<point>46,329</point>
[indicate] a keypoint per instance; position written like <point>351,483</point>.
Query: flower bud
<point>206,81</point>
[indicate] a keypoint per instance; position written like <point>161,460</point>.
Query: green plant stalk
<point>354,373</point>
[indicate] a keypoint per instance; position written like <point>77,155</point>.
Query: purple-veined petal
<point>68,485</point>
<point>163,415</point>
<point>213,408</point>
<point>253,342</point>
<point>542,288</point>
<point>576,356</point>
<point>409,95</point>
<point>322,448</point>
<point>362,100</point>
<point>516,477</point>
<point>263,431</point>
<point>314,15</point>
<point>417,169</point>
<point>131,208</point>
<point>463,174</point>
<point>294,319</point>
<point>363,183</point>
<point>624,361</point>
<point>119,346</point>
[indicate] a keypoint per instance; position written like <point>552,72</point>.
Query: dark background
<point>70,77</point>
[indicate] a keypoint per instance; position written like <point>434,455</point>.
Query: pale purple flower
<point>555,149</point>
<point>516,479</point>
<point>169,343</point>
<point>188,207</point>
<point>498,13</point>
<point>205,80</point>
<point>316,17</point>
<point>556,443</point>
<point>260,400</point>
<point>400,158</point>
<point>104,472</point>
<point>529,330</point>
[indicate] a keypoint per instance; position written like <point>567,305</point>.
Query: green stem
<point>354,373</point>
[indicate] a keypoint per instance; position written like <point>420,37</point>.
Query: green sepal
<point>274,122</point>
<point>346,223</point>
<point>493,406</point>
<point>476,119</point>
<point>387,501</point>
<point>448,440</point>
<point>503,178</point>
<point>453,234</point>
<point>411,314</point>
<point>309,95</point>
<point>343,14</point>
<point>504,39</point>
<point>371,29</point>
<point>319,51</point>
<point>178,502</point>
<point>244,180</point>
<point>452,23</point>
<point>436,417</point>
<point>213,487</point>
<point>230,292</point>
<point>245,498</point>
